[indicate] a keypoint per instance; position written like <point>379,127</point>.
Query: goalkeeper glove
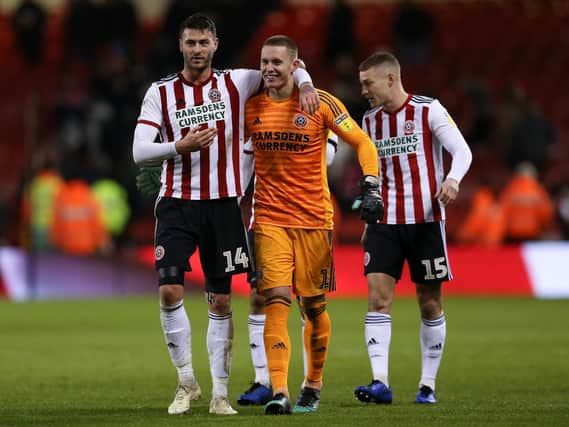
<point>148,180</point>
<point>371,201</point>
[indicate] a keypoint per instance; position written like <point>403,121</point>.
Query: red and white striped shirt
<point>409,145</point>
<point>173,105</point>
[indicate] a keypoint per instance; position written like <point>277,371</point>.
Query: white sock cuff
<point>374,318</point>
<point>436,322</point>
<point>173,307</point>
<point>219,317</point>
<point>256,320</point>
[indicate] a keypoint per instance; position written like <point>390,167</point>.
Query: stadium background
<point>72,103</point>
<point>72,88</point>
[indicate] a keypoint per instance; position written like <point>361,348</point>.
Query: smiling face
<point>277,66</point>
<point>197,47</point>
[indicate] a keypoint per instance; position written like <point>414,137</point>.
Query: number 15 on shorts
<point>435,268</point>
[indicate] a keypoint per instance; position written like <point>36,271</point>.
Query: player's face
<point>197,47</point>
<point>277,66</point>
<point>376,85</point>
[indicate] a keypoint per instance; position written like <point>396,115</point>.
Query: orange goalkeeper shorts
<point>297,257</point>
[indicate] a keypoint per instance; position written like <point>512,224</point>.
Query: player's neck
<point>283,92</point>
<point>396,102</point>
<point>195,75</point>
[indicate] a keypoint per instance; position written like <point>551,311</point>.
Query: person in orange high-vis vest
<point>77,227</point>
<point>527,206</point>
<point>485,223</point>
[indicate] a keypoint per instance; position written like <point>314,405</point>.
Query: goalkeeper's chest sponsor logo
<point>200,114</point>
<point>398,145</point>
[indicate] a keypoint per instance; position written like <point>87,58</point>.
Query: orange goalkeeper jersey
<point>291,187</point>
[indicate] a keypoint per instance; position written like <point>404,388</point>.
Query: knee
<point>171,294</point>
<point>312,308</point>
<point>380,292</point>
<point>431,309</point>
<point>380,304</point>
<point>219,303</point>
<point>257,303</point>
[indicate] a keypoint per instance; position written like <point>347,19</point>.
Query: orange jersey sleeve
<point>337,118</point>
<point>291,184</point>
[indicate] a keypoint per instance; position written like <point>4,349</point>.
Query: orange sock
<point>277,341</point>
<point>316,338</point>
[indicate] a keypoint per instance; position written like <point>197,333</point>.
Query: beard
<point>204,63</point>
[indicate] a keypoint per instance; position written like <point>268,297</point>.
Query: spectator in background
<point>121,25</point>
<point>480,111</point>
<point>113,200</point>
<point>3,215</point>
<point>485,223</point>
<point>28,23</point>
<point>111,113</point>
<point>523,133</point>
<point>527,206</point>
<point>532,135</point>
<point>38,206</point>
<point>413,29</point>
<point>38,198</point>
<point>563,211</point>
<point>346,85</point>
<point>340,39</point>
<point>77,227</point>
<point>83,29</point>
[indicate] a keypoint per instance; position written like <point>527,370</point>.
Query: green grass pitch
<point>104,363</point>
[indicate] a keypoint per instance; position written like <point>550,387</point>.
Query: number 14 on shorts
<point>240,257</point>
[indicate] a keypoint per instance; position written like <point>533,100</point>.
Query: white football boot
<point>220,405</point>
<point>181,402</point>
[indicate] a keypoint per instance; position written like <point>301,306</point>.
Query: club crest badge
<point>159,252</point>
<point>409,127</point>
<point>300,121</point>
<point>214,95</point>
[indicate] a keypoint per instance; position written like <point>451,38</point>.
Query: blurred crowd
<point>79,177</point>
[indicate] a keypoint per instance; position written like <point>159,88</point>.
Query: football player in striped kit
<point>409,132</point>
<point>198,114</point>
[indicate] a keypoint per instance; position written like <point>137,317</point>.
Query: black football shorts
<point>215,226</point>
<point>423,245</point>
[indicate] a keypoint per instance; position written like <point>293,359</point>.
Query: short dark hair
<point>379,58</point>
<point>198,21</point>
<point>284,41</point>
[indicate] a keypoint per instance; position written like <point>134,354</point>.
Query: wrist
<point>301,77</point>
<point>369,181</point>
<point>452,182</point>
